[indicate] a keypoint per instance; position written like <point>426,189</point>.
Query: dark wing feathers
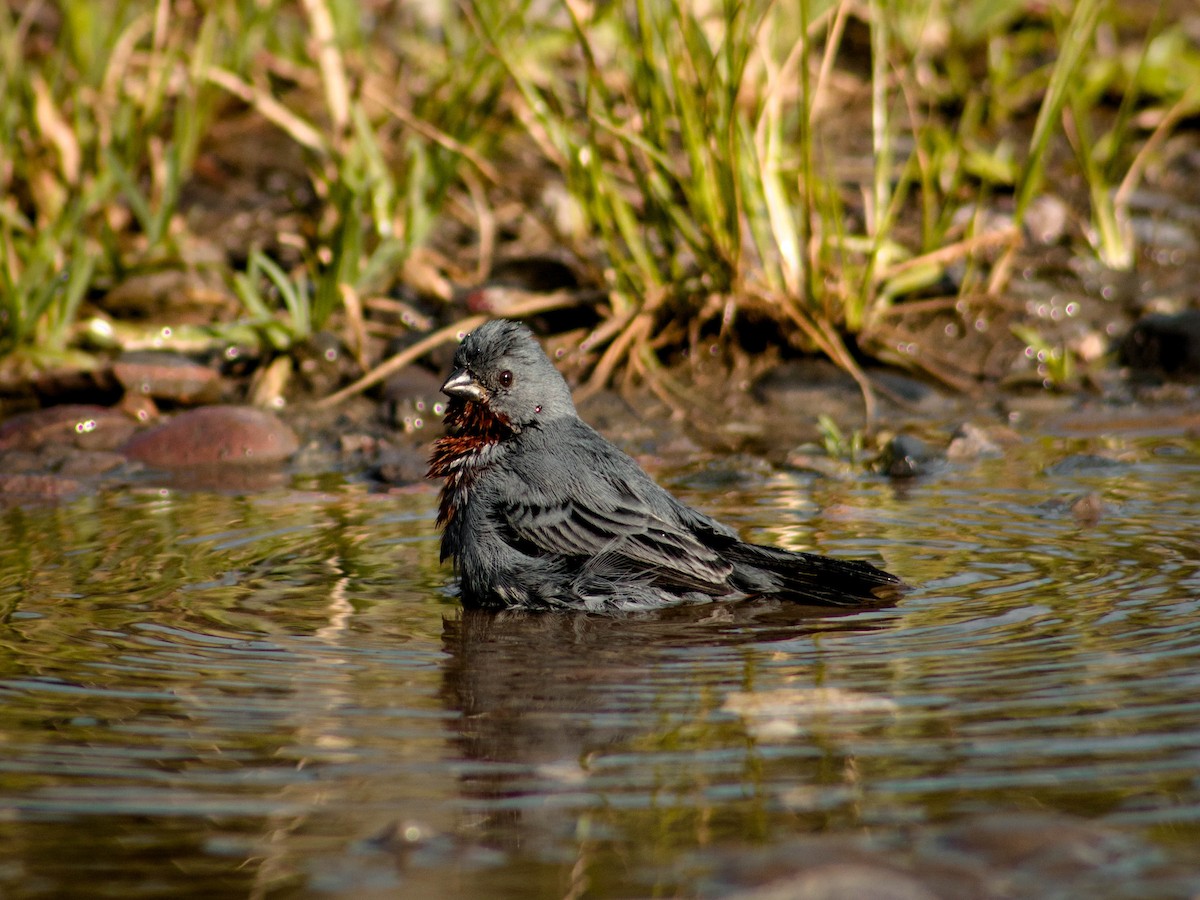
<point>617,524</point>
<point>807,577</point>
<point>608,521</point>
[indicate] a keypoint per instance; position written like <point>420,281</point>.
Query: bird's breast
<point>473,438</point>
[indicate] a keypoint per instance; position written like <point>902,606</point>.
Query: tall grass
<point>804,167</point>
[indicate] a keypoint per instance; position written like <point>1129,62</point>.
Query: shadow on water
<point>549,690</point>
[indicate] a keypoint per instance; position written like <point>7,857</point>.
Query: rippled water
<point>276,693</point>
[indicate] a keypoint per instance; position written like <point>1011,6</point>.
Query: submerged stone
<point>1084,464</point>
<point>907,457</point>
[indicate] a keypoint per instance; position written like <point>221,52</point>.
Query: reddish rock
<point>167,376</point>
<point>89,463</point>
<point>214,435</point>
<point>76,425</point>
<point>24,486</point>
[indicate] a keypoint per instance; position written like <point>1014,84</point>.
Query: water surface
<point>275,693</point>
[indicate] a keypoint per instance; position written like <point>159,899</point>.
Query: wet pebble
<point>1084,464</point>
<point>167,376</point>
<point>78,425</point>
<point>1088,509</point>
<point>907,457</point>
<point>972,442</point>
<point>214,435</point>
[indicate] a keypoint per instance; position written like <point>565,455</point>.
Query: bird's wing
<point>612,512</point>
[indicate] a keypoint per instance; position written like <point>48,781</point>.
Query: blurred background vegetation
<point>246,173</point>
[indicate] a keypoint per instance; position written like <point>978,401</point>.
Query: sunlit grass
<point>802,167</point>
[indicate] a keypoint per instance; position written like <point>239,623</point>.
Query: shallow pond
<point>275,693</point>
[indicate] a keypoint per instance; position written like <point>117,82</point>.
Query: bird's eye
<point>506,378</point>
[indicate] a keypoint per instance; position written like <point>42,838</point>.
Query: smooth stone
<point>167,376</point>
<point>215,435</point>
<point>84,426</point>
<point>906,457</point>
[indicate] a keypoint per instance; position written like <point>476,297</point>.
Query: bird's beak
<point>462,383</point>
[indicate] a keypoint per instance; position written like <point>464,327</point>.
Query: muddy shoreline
<point>165,419</point>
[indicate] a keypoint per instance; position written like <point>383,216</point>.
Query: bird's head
<point>501,366</point>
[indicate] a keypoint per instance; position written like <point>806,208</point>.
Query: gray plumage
<point>540,511</point>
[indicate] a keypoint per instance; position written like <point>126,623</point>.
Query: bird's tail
<point>810,578</point>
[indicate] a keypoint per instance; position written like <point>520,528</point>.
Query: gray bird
<point>539,511</point>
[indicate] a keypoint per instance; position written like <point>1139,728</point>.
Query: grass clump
<point>817,170</point>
